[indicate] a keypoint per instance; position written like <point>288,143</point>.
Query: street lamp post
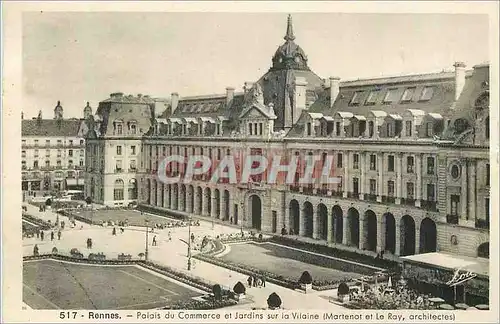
<point>189,245</point>
<point>147,240</point>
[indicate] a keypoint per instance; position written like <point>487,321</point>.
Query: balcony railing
<point>371,197</point>
<point>353,195</point>
<point>452,219</point>
<point>429,205</point>
<point>482,223</point>
<point>408,201</point>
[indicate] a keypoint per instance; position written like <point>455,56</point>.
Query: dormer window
<point>372,97</point>
<point>408,95</point>
<point>133,128</point>
<point>408,127</point>
<point>427,93</point>
<point>391,96</point>
<point>428,129</point>
<point>119,129</point>
<point>356,98</point>
<point>309,129</point>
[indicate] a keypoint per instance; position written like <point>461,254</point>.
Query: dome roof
<point>290,55</point>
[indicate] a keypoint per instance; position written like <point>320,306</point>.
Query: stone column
<point>345,231</point>
<point>380,236</point>
<point>417,238</point>
<point>399,183</point>
<point>315,217</point>
<point>346,166</point>
<point>181,199</point>
<point>206,199</point>
<point>362,236</point>
<point>175,197</point>
<point>159,201</point>
<point>463,192</point>
<point>380,181</point>
<point>168,201</point>
<point>222,207</point>
<point>189,202</point>
<point>151,194</point>
<point>302,223</point>
<point>362,162</point>
<point>329,235</point>
<point>398,236</point>
<point>418,170</point>
<point>472,190</point>
<point>213,205</point>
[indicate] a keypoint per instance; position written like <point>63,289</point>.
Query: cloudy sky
<point>79,57</point>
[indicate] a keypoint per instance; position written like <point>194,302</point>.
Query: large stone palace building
<point>412,153</point>
<point>53,152</point>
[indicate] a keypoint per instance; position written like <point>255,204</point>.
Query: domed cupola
<point>290,55</point>
<point>87,111</point>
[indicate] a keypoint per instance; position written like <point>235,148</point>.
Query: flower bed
<point>159,211</point>
<point>202,304</point>
<point>338,253</point>
<point>37,221</point>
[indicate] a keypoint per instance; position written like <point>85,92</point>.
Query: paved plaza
<point>173,254</point>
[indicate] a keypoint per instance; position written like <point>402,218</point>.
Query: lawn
<point>134,217</point>
<point>50,284</point>
<point>291,263</point>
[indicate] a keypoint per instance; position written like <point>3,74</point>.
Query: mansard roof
<point>50,127</point>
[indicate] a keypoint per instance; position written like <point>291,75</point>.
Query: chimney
<point>229,95</point>
<point>459,78</point>
<point>247,87</point>
<point>174,98</point>
<point>300,99</point>
<point>334,89</point>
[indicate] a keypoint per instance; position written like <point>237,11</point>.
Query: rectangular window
<point>373,187</point>
<point>58,163</point>
<point>455,201</point>
<point>339,160</point>
<point>430,165</point>
<point>47,142</point>
<point>390,188</point>
<point>81,142</point>
<point>355,185</point>
<point>427,93</point>
<point>119,129</point>
<point>132,148</point>
<point>250,128</point>
<point>337,128</point>
<point>409,164</point>
<point>488,174</point>
<point>36,142</point>
<point>70,152</point>
<point>429,129</point>
<point>372,97</point>
<point>59,153</point>
<point>410,190</point>
<point>390,163</point>
<point>487,209</point>
<point>133,165</point>
<point>391,96</point>
<point>118,193</point>
<point>118,150</point>
<point>133,129</point>
<point>59,142</point>
<point>70,142</point>
<point>260,129</point>
<point>356,98</point>
<point>118,166</point>
<point>373,162</point>
<point>355,161</point>
<point>81,163</point>
<point>408,127</point>
<point>47,153</point>
<point>309,129</point>
<point>23,153</point>
<point>23,142</point>
<point>430,192</point>
<point>408,95</point>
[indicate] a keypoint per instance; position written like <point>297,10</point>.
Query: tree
<point>274,301</point>
<point>141,255</point>
<point>343,289</point>
<point>305,278</point>
<point>239,288</point>
<point>88,200</point>
<point>48,202</point>
<point>217,291</point>
<point>54,250</point>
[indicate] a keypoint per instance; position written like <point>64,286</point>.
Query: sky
<point>77,57</point>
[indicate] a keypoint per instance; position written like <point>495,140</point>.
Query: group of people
<point>254,281</point>
<point>169,236</point>
<point>41,235</point>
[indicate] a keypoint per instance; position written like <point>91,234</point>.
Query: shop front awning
<point>479,266</point>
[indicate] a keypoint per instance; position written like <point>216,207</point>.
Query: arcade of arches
<point>366,231</point>
<point>190,199</point>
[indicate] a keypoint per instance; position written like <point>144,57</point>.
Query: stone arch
<point>190,207</point>
<point>207,198</point>
<point>389,225</point>
<point>227,205</point>
<point>307,219</point>
<point>322,219</point>
<point>294,217</point>
<point>407,236</point>
<point>199,200</point>
<point>119,187</point>
<point>483,250</point>
<point>353,227</point>
<point>338,224</point>
<point>370,230</point>
<point>428,236</point>
<point>255,204</point>
<point>217,203</point>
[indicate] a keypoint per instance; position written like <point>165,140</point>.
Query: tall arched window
<point>118,190</point>
<point>132,189</point>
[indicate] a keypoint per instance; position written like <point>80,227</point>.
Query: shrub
<point>305,278</point>
<point>274,301</point>
<point>141,255</point>
<point>239,288</point>
<point>48,202</point>
<point>343,289</point>
<point>88,200</point>
<point>217,291</point>
<point>54,250</point>
<point>74,251</point>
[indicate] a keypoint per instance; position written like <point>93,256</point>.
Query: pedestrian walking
<point>114,231</point>
<point>121,230</point>
<point>154,240</point>
<point>37,233</point>
<point>192,237</point>
<point>249,280</point>
<point>59,235</point>
<point>254,280</point>
<point>41,235</point>
<point>263,281</point>
<point>169,236</point>
<point>52,235</point>
<point>35,250</point>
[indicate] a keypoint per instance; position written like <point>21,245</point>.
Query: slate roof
<point>50,127</point>
<point>208,106</point>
